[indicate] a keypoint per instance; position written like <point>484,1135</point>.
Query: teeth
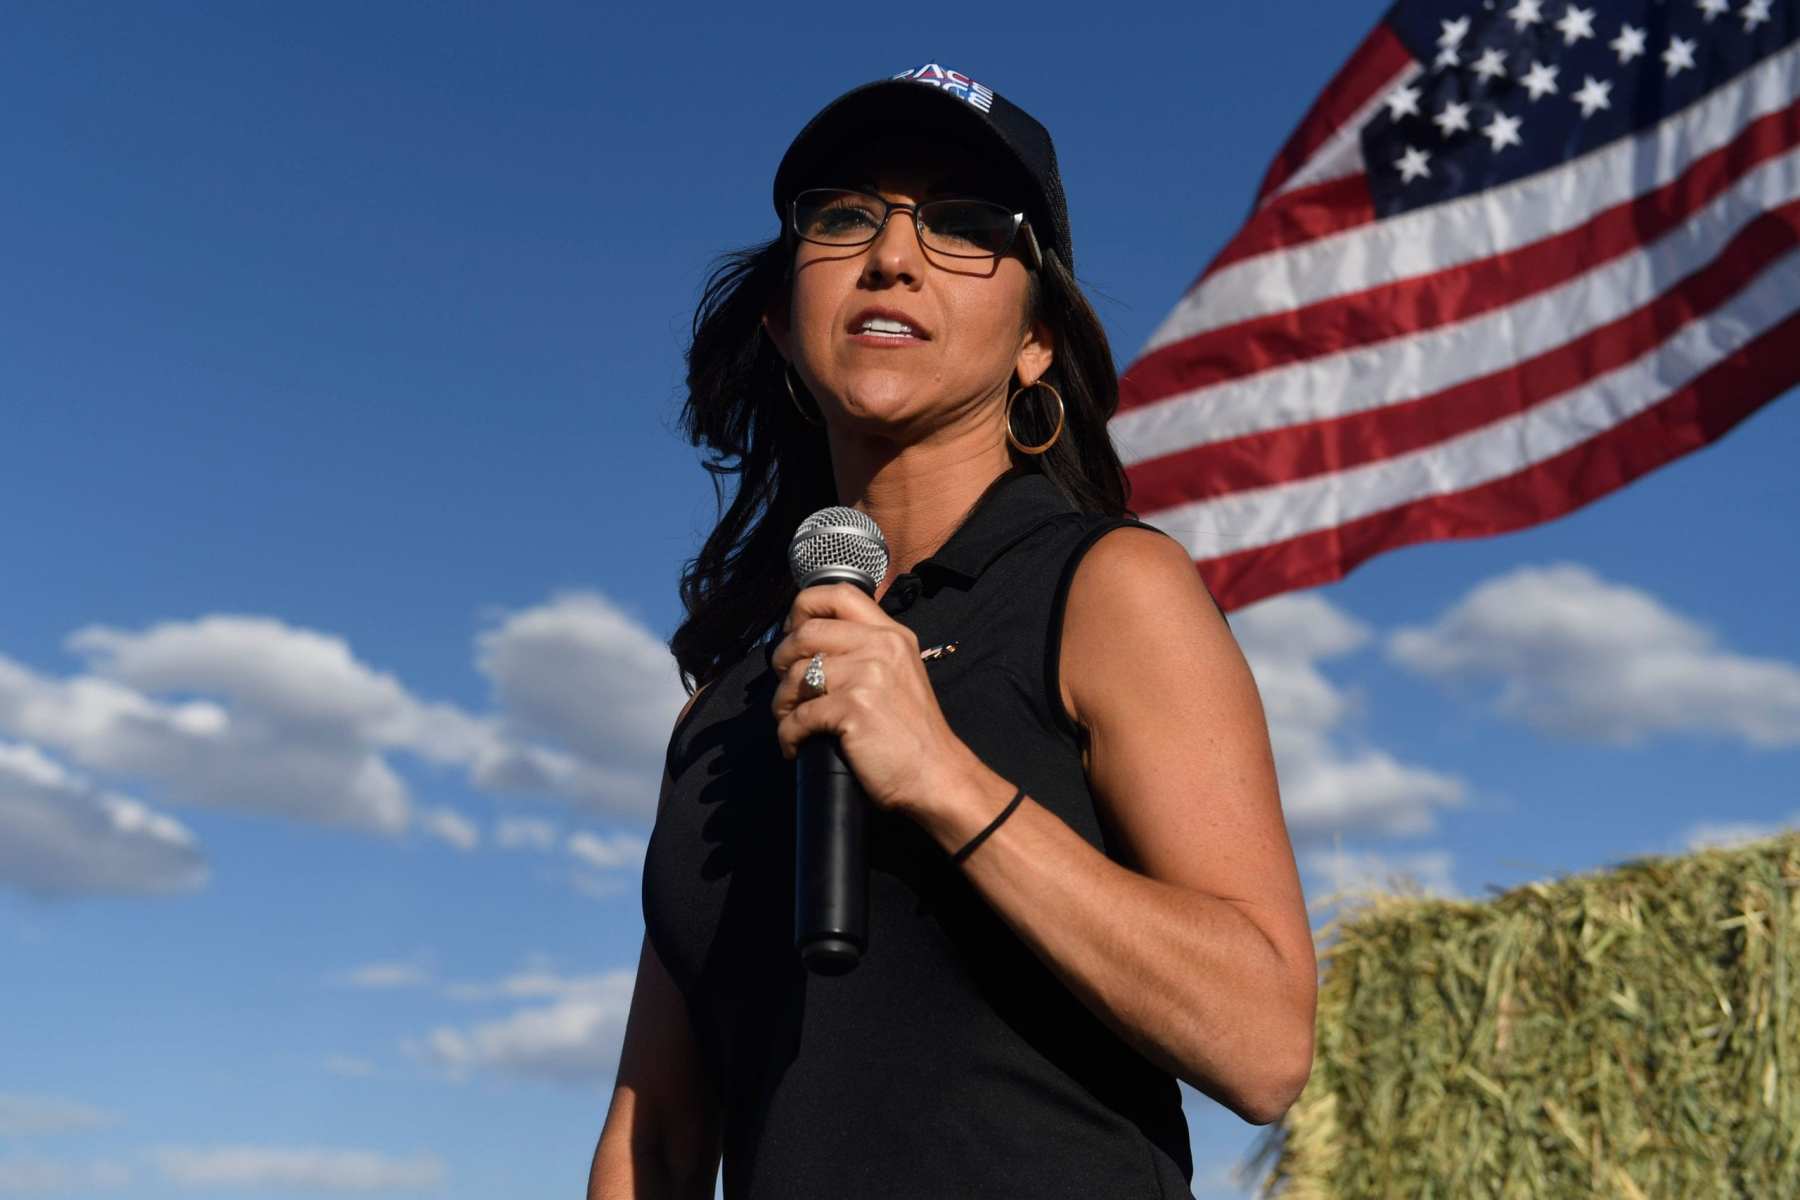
<point>884,325</point>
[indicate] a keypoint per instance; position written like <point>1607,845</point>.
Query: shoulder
<point>1132,572</point>
<point>1136,605</point>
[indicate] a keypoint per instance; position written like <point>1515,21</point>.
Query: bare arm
<point>661,1137</point>
<point>1202,958</point>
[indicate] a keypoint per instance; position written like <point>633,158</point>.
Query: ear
<point>776,326</point>
<point>1036,353</point>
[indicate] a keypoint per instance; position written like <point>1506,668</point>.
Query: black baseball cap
<point>934,99</point>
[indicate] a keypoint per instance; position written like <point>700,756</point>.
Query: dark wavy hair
<point>739,414</point>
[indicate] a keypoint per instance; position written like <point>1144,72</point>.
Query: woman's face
<point>967,317</point>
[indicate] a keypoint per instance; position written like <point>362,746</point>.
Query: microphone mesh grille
<point>842,538</point>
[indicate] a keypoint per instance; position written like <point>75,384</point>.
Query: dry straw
<point>1631,1033</point>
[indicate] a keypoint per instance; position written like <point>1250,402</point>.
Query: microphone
<point>831,858</point>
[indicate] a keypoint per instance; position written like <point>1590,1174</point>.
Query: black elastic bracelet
<point>992,825</point>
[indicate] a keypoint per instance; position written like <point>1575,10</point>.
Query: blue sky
<point>340,354</point>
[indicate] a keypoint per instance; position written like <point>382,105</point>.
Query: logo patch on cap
<point>954,82</point>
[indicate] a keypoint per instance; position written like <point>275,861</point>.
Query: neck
<point>918,494</point>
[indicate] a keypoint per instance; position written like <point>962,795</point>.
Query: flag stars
<point>1755,13</point>
<point>1629,44</point>
<point>1453,119</point>
<point>1593,96</point>
<point>1414,164</point>
<point>1454,32</point>
<point>1679,56</point>
<point>1526,12</point>
<point>1713,8</point>
<point>1447,57</point>
<point>1540,81</point>
<point>1578,23</point>
<point>1491,64</point>
<point>1502,131</point>
<point>1403,101</point>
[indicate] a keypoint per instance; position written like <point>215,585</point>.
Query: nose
<point>895,256</point>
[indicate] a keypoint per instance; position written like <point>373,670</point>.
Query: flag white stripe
<point>1225,524</point>
<point>1484,223</point>
<point>1341,153</point>
<point>1406,368</point>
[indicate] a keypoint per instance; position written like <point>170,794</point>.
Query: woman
<point>1080,887</point>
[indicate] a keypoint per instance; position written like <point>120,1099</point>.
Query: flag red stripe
<point>1371,68</point>
<point>1693,417</point>
<point>1300,216</point>
<point>1321,447</point>
<point>1427,301</point>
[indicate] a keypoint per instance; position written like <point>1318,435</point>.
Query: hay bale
<point>1630,1033</point>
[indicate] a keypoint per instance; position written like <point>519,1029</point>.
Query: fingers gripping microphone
<point>831,861</point>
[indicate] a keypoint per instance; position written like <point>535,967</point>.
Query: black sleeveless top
<point>951,1062</point>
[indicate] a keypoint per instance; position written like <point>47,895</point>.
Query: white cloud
<point>1731,834</point>
<point>582,673</point>
<point>274,746</point>
<point>61,836</point>
<point>571,1036</point>
<point>1221,1181</point>
<point>1298,625</point>
<point>602,859</point>
<point>35,1176</point>
<point>525,833</point>
<point>1368,790</point>
<point>450,826</point>
<point>34,1116</point>
<point>385,976</point>
<point>1576,655</point>
<point>621,850</point>
<point>314,1167</point>
<point>538,979</point>
<point>251,713</point>
<point>1428,872</point>
<point>1328,786</point>
<point>302,677</point>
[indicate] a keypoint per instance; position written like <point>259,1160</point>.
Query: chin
<point>882,401</point>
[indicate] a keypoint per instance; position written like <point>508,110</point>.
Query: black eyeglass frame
<point>1019,219</point>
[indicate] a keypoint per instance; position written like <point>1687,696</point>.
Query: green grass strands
<point>1629,1033</point>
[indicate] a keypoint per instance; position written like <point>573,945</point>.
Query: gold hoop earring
<point>1020,446</point>
<point>809,418</point>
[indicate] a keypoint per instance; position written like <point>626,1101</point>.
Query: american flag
<point>1518,254</point>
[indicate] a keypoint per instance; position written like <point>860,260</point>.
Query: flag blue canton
<point>1508,88</point>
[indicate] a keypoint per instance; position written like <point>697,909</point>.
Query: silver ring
<point>815,674</point>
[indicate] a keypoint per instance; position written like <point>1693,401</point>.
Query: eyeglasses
<point>957,228</point>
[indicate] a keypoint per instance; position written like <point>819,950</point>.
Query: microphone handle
<point>831,859</point>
